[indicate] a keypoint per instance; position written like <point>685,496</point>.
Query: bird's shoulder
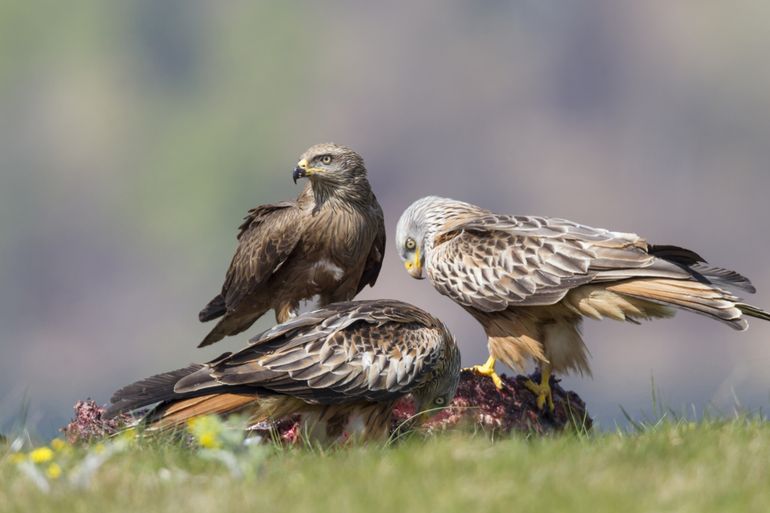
<point>266,238</point>
<point>273,212</point>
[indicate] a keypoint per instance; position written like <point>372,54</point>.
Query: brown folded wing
<point>266,239</point>
<point>378,351</point>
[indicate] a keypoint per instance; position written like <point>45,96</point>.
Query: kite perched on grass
<point>328,243</point>
<point>530,280</point>
<point>340,368</point>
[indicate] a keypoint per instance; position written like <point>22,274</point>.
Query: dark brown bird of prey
<point>530,280</point>
<point>328,243</point>
<point>341,368</point>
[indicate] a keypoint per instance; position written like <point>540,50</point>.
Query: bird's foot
<point>543,393</point>
<point>488,370</point>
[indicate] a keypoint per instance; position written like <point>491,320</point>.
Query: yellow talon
<point>488,370</point>
<point>543,389</point>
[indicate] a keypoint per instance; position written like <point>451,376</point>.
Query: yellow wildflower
<point>129,435</point>
<point>17,457</point>
<point>53,471</point>
<point>41,455</point>
<point>99,448</point>
<point>58,445</point>
<point>208,439</point>
<point>206,430</point>
<point>193,423</point>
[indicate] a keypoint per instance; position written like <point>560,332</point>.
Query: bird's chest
<point>343,237</point>
<point>337,245</point>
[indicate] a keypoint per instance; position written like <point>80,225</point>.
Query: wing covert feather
<point>266,238</point>
<point>373,352</point>
<point>494,261</point>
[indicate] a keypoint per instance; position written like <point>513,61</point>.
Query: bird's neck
<point>351,194</point>
<point>431,229</point>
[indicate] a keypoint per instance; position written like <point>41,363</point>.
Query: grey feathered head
<point>419,224</point>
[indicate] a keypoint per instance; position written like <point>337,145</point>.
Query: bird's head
<point>412,231</point>
<point>330,165</point>
<point>438,393</point>
<point>418,226</point>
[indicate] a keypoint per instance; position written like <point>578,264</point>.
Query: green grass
<point>675,466</point>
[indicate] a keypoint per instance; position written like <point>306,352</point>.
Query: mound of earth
<point>479,404</point>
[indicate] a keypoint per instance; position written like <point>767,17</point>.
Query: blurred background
<point>135,135</point>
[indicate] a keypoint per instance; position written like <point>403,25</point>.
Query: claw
<point>543,389</point>
<point>543,394</point>
<point>488,370</point>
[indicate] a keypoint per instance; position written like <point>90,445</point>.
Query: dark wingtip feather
<point>697,265</point>
<point>219,332</point>
<point>724,277</point>
<point>215,308</point>
<point>159,387</point>
<point>675,254</point>
<point>753,311</point>
<point>210,339</point>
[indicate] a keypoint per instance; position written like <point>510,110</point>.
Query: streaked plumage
<point>530,280</point>
<point>328,243</point>
<point>339,366</point>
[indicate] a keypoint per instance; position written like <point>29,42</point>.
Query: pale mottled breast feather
<point>266,238</point>
<point>377,351</point>
<point>494,261</point>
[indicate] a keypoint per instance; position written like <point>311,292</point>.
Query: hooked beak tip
<point>298,173</point>
<point>414,270</point>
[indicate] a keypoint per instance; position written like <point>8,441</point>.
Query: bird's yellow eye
<point>326,159</point>
<point>439,401</point>
<point>410,244</point>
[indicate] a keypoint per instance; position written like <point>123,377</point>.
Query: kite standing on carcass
<point>530,280</point>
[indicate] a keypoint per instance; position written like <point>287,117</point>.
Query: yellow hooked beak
<point>303,170</point>
<point>414,266</point>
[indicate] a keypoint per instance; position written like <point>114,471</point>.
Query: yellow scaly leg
<point>488,370</point>
<point>543,389</point>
